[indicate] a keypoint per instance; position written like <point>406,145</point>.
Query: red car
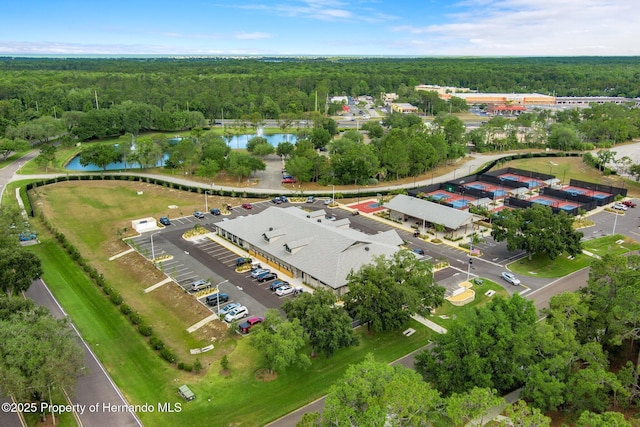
<point>289,181</point>
<point>247,206</point>
<point>629,203</point>
<point>244,327</point>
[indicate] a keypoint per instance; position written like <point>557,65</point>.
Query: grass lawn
<point>238,398</point>
<point>450,311</point>
<point>541,266</point>
<point>90,215</point>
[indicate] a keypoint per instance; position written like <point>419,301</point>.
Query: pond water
<point>237,141</point>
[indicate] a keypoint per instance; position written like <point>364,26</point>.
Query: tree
<point>564,137</point>
<point>255,141</point>
<point>604,157</point>
<point>37,354</point>
<point>280,342</point>
<point>465,407</point>
<point>327,325</point>
<point>263,150</point>
<point>522,415</point>
<point>100,155</point>
<point>537,230</point>
<point>487,349</point>
<point>18,269</point>
<point>606,419</point>
<point>242,165</point>
<point>385,293</point>
<point>47,155</point>
<point>376,394</point>
<point>8,146</point>
<point>285,149</point>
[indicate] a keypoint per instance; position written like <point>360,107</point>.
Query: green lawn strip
<point>452,312</point>
<point>240,399</point>
<point>137,370</point>
<point>541,266</point>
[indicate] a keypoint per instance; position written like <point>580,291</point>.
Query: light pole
<point>333,193</point>
<point>206,201</point>
<point>615,221</point>
<point>218,296</point>
<point>153,253</point>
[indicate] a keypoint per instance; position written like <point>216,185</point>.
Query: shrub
<point>197,366</point>
<point>185,367</point>
<point>135,318</point>
<point>156,343</point>
<point>125,309</point>
<point>224,362</point>
<point>108,290</point>
<point>145,329</point>
<point>168,355</point>
<point>115,298</point>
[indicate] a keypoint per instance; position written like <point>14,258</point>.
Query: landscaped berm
<point>463,295</point>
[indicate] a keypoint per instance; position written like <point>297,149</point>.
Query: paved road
<point>95,386</point>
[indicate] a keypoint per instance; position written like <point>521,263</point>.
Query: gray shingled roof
<point>431,212</point>
<point>326,250</point>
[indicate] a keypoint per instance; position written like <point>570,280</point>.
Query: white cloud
<point>535,27</point>
<point>323,10</point>
<point>252,36</point>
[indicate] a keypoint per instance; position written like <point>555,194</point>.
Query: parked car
<point>418,251</point>
<point>214,299</point>
<point>215,211</point>
<point>328,201</point>
<point>311,199</point>
<point>629,204</point>
<point>511,278</point>
<point>236,313</point>
<point>25,237</point>
<point>199,285</point>
<point>165,221</point>
<point>245,326</point>
<point>255,273</point>
<point>242,261</point>
<point>284,199</point>
<point>198,214</point>
<point>267,277</point>
<point>276,200</point>
<point>290,180</point>
<point>276,284</point>
<point>247,206</point>
<point>619,206</point>
<point>227,308</point>
<point>284,290</point>
<point>259,276</point>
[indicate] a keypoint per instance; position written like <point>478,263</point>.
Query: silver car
<point>511,278</point>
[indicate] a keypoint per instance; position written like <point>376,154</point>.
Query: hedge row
<point>116,299</point>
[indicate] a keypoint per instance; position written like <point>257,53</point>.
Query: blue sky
<point>321,27</point>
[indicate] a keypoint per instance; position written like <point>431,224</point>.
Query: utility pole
<point>95,92</point>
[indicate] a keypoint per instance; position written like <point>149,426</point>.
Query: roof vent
<point>319,220</point>
<point>366,248</point>
<point>270,228</point>
<point>308,216</point>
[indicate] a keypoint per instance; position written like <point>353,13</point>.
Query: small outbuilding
<point>185,392</point>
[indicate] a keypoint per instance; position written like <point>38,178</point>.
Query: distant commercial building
<point>388,98</point>
<point>403,107</point>
<point>441,90</point>
<point>504,98</point>
<point>585,101</point>
<point>339,99</point>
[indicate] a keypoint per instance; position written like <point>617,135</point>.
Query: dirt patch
<point>264,375</point>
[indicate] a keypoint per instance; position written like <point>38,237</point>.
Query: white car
<point>284,290</point>
<point>511,278</point>
<point>328,201</point>
<point>619,206</point>
<point>228,308</point>
<point>236,313</point>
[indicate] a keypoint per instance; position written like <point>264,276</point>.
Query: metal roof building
<point>403,207</point>
<point>307,245</point>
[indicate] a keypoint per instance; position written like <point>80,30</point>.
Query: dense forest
<point>271,86</point>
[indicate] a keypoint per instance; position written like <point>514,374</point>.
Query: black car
<point>275,285</point>
<point>215,211</point>
<point>242,261</point>
<point>165,221</point>
<point>214,299</point>
<point>267,277</point>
